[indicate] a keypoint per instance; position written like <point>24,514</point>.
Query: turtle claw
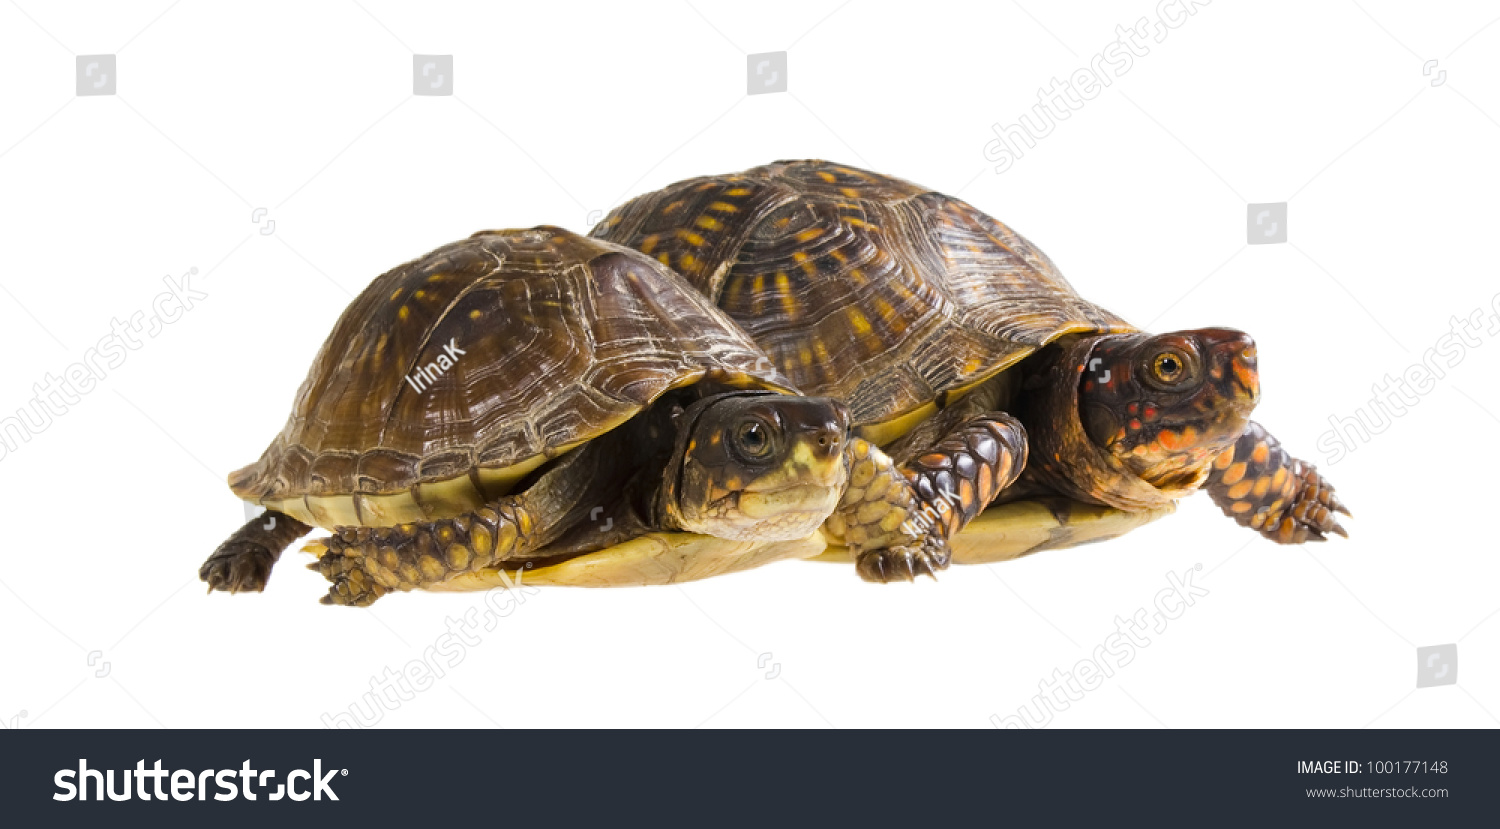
<point>238,567</point>
<point>1284,499</point>
<point>1311,517</point>
<point>902,563</point>
<point>353,589</point>
<point>883,566</point>
<point>341,596</point>
<point>351,585</point>
<point>1312,513</point>
<point>1328,498</point>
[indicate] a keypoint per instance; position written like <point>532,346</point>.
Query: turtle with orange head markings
<point>1163,416</point>
<point>1026,417</point>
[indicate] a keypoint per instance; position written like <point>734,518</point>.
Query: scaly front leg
<point>963,472</point>
<point>365,563</point>
<point>1262,487</point>
<point>897,520</point>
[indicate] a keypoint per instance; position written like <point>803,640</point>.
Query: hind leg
<point>243,562</point>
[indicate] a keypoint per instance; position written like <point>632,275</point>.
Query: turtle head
<point>756,466</point>
<point>1167,405</point>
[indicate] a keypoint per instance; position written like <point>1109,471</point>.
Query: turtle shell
<point>860,286</point>
<point>451,377</point>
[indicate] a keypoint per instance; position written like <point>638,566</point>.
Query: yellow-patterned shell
<point>533,342</point>
<point>861,286</point>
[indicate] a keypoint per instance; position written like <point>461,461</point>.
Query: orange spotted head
<point>1167,404</point>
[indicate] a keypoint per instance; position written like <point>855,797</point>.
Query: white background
<point>305,109</point>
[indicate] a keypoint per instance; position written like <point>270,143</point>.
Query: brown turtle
<point>537,398</point>
<point>935,322</point>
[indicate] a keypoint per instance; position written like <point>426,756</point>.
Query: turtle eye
<point>1168,367</point>
<point>1170,363</point>
<point>753,437</point>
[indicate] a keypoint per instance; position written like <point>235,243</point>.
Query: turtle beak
<point>824,429</point>
<point>819,427</point>
<point>1234,351</point>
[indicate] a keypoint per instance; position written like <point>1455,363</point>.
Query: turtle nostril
<point>828,440</point>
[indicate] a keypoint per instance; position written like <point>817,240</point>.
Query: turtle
<point>934,322</point>
<point>538,398</point>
